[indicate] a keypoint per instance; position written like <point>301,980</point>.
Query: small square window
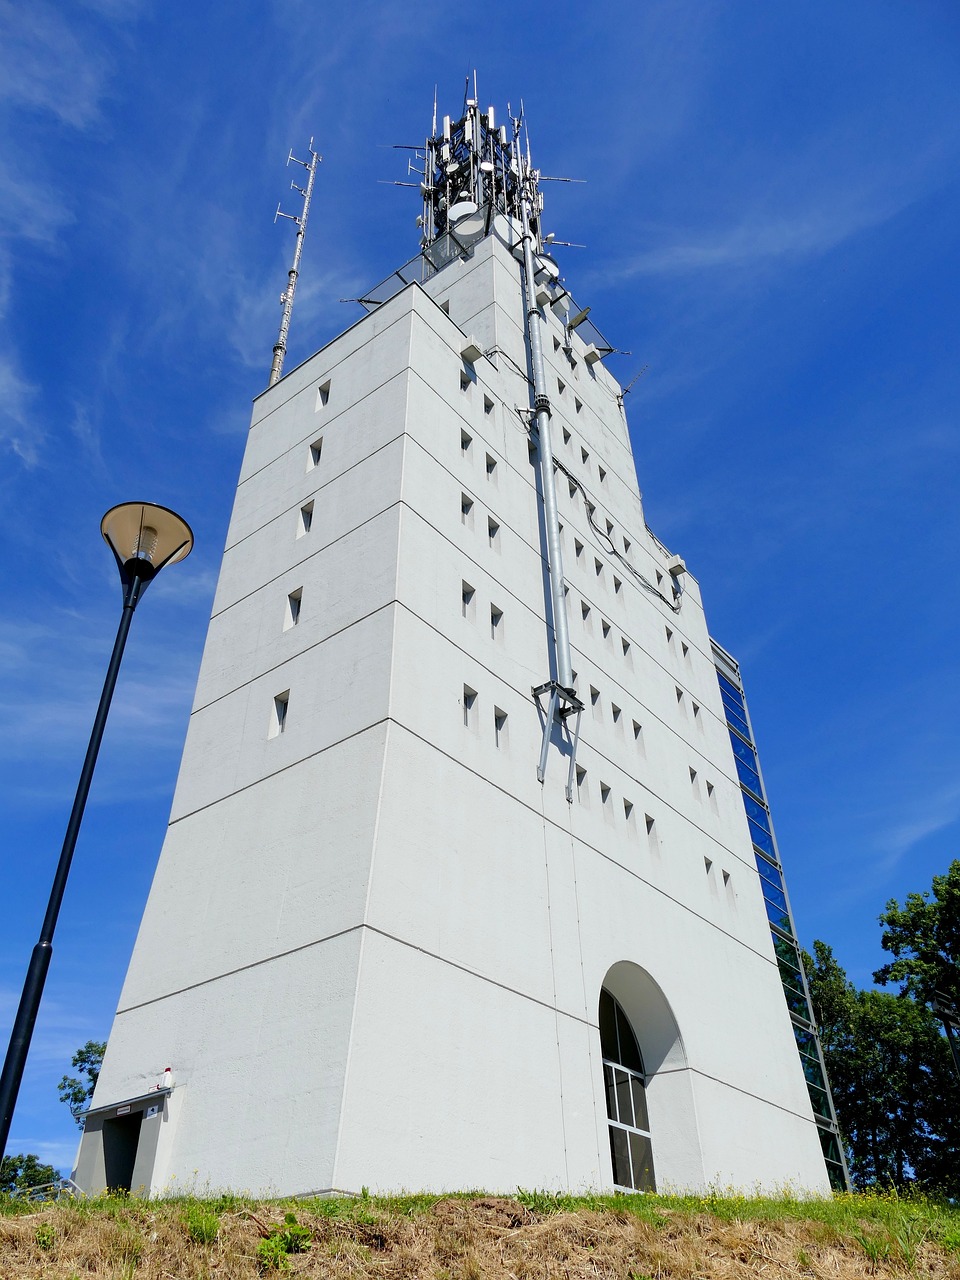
<point>313,457</point>
<point>638,731</point>
<point>609,524</point>
<point>465,380</point>
<point>685,650</point>
<point>577,547</point>
<point>581,783</point>
<point>577,404</point>
<point>668,633</point>
<point>561,386</point>
<point>491,465</point>
<point>650,825</point>
<point>626,546</point>
<point>584,610</point>
<point>625,645</point>
<point>493,532</point>
<point>292,614</point>
<point>604,793</point>
<point>615,712</point>
<point>306,519</point>
<point>572,488</point>
<point>693,775</point>
<point>617,585</point>
<point>566,436</point>
<point>707,865</point>
<point>726,879</point>
<point>584,456</point>
<point>467,597</point>
<point>594,696</point>
<point>602,474</point>
<point>445,306</point>
<point>679,692</point>
<point>597,567</point>
<point>466,509</point>
<point>627,809</point>
<point>487,405</point>
<point>466,440</point>
<point>659,578</point>
<point>499,727</point>
<point>556,343</point>
<point>710,789</point>
<point>323,394</point>
<point>278,715</point>
<point>696,709</point>
<point>496,622</point>
<point>605,628</point>
<point>469,707</point>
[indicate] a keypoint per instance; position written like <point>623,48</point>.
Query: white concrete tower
<point>378,951</point>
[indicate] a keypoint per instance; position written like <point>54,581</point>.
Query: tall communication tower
<point>470,879</point>
<point>286,298</point>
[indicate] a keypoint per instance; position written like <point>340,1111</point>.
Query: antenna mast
<point>280,346</point>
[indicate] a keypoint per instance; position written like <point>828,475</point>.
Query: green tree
<point>19,1173</point>
<point>892,1079</point>
<point>77,1092</point>
<point>923,936</point>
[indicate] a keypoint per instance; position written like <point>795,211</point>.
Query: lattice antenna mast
<point>280,346</point>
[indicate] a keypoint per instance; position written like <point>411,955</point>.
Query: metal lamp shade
<point>142,531</point>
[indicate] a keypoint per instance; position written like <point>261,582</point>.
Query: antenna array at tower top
<point>473,170</point>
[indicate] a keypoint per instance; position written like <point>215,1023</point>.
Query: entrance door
<point>121,1136</point>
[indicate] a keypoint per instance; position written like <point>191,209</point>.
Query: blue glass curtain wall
<point>778,914</point>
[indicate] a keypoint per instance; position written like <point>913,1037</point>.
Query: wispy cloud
<point>20,431</point>
<point>50,63</point>
<point>927,815</point>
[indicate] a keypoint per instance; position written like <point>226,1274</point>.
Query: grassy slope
<point>528,1237</point>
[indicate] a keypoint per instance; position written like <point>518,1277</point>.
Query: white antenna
<point>280,346</point>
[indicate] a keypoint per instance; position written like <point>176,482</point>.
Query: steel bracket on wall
<point>563,704</point>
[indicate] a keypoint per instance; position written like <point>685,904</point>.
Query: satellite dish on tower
<point>466,221</point>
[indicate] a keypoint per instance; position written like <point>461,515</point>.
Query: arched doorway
<point>625,1081</point>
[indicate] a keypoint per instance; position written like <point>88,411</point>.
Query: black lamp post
<point>144,538</point>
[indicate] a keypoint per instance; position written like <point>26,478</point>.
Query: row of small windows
<point>467,516</point>
<point>606,628</point>
<point>471,717</point>
<point>468,609</point>
<point>610,808</point>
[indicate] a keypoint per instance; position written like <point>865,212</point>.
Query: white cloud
<point>931,814</point>
<point>20,431</point>
<point>48,65</point>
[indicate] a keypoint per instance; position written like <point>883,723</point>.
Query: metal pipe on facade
<point>541,404</point>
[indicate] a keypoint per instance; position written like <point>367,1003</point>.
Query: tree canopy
<point>19,1173</point>
<point>892,1078</point>
<point>77,1092</point>
<point>923,936</point>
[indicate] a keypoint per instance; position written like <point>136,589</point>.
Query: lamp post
<point>144,538</point>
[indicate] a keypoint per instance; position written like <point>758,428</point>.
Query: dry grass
<point>530,1237</point>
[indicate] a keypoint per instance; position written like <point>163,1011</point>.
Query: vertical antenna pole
<point>280,346</point>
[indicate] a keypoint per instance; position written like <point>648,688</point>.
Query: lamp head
<point>144,538</point>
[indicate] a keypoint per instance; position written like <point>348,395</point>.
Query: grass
<point>532,1235</point>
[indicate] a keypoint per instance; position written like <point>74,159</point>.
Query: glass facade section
<point>778,914</point>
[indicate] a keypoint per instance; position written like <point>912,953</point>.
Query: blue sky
<point>772,215</point>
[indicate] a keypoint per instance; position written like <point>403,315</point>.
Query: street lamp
<point>144,538</point>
